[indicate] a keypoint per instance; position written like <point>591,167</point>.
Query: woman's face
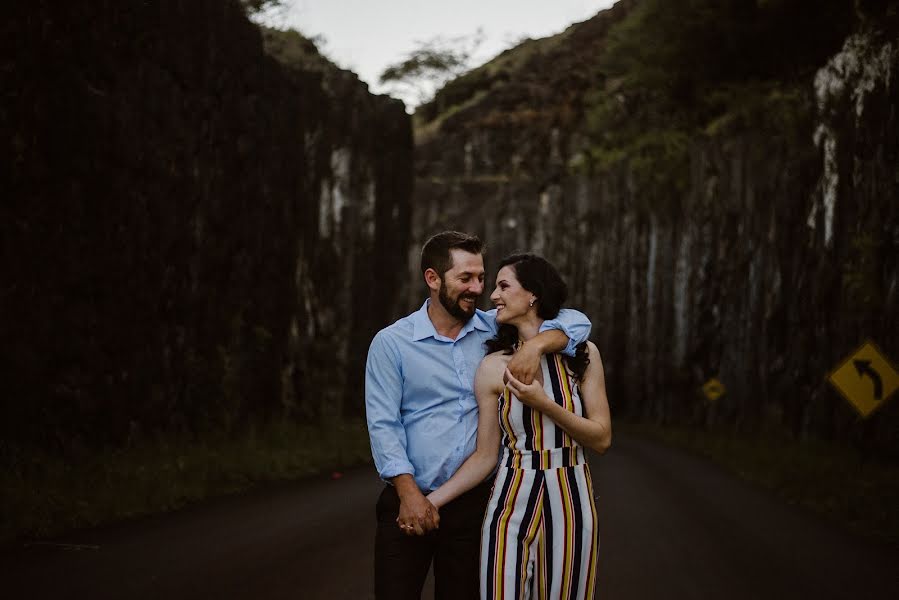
<point>511,300</point>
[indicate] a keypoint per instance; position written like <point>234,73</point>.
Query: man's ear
<point>432,279</point>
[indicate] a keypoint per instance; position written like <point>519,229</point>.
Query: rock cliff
<point>194,222</point>
<point>757,245</point>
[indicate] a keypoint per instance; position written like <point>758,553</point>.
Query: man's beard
<point>453,307</point>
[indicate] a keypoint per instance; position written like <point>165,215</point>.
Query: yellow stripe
<point>568,555</point>
<point>507,419</point>
<point>536,520</point>
<point>537,424</point>
<point>541,562</point>
<point>502,532</point>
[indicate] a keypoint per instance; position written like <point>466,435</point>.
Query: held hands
<point>417,515</point>
<point>532,394</point>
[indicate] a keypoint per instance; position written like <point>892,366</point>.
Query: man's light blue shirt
<point>419,397</point>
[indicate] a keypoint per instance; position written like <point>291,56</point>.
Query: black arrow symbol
<point>864,368</point>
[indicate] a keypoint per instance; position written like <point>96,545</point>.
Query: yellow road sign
<point>866,379</point>
<point>713,389</point>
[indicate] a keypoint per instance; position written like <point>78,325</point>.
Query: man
<point>422,418</point>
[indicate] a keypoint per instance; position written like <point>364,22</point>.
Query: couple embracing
<point>478,424</point>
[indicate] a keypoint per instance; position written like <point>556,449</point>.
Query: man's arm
<point>562,334</point>
<point>383,397</point>
<point>574,324</point>
<point>525,363</point>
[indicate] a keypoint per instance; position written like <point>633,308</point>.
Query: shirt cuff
<point>394,468</point>
<point>571,348</point>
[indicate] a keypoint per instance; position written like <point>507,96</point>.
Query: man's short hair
<point>435,254</point>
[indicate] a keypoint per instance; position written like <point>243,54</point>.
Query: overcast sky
<point>367,35</point>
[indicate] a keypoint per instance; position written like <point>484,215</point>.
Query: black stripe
<point>558,397</point>
<point>494,523</point>
<point>548,538</point>
<point>526,415</point>
<point>505,441</point>
<point>578,523</point>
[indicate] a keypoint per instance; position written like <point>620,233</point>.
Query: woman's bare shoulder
<point>496,360</point>
<point>594,366</point>
<point>494,364</point>
<point>489,377</point>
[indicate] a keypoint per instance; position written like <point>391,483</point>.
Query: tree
<point>430,65</point>
<point>257,6</point>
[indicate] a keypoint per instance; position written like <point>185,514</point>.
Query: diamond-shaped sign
<point>866,379</point>
<point>713,389</point>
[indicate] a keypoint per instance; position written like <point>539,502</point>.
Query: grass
<point>830,480</point>
<point>45,495</point>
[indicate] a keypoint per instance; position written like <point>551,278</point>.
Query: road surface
<point>672,526</point>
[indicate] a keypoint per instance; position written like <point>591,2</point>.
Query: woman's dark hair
<point>538,276</point>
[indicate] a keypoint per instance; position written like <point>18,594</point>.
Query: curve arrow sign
<point>864,368</point>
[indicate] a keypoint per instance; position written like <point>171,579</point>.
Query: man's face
<point>462,285</point>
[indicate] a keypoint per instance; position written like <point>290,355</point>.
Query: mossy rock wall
<point>768,259</point>
<point>190,227</point>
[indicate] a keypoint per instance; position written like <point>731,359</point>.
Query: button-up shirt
<point>419,398</point>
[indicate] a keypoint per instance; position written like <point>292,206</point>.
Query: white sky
<point>367,35</point>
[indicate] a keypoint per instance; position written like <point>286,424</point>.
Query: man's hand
<point>531,394</point>
<point>417,515</point>
<point>525,362</point>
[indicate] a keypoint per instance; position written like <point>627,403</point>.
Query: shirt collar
<point>423,328</point>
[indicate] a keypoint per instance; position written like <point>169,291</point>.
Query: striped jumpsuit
<point>540,538</point>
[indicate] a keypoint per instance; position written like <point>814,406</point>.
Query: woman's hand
<point>531,394</point>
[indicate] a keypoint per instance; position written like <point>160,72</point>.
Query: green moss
<point>425,129</point>
<point>779,111</point>
<point>675,71</point>
<point>658,159</point>
<point>470,87</point>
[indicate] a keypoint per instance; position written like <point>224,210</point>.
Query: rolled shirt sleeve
<point>383,398</point>
<point>572,323</point>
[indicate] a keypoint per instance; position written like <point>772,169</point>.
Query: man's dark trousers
<point>402,561</point>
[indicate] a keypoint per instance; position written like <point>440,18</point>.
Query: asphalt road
<point>672,526</point>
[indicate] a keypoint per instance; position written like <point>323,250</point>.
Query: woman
<point>539,536</point>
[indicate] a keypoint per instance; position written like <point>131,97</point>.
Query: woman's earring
<point>532,302</point>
